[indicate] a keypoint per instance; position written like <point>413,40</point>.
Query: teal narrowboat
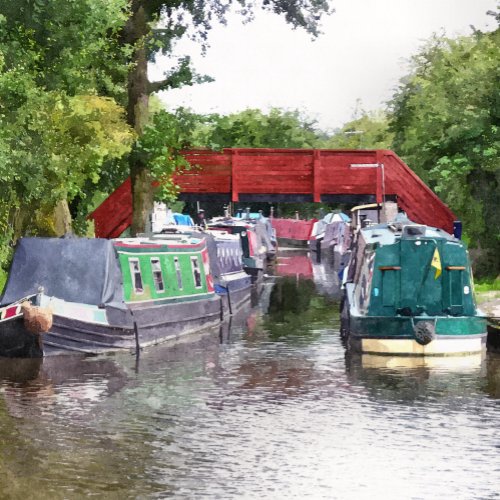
<point>409,291</point>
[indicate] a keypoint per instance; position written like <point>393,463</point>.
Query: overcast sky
<point>362,53</point>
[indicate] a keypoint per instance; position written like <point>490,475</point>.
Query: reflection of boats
<point>326,279</point>
<point>296,307</point>
<point>77,383</point>
<point>406,378</point>
<point>293,264</point>
<point>450,363</point>
<point>409,291</point>
<point>298,264</point>
<point>106,295</point>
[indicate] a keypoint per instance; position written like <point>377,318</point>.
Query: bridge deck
<point>275,175</point>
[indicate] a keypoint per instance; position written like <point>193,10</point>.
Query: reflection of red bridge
<point>294,265</point>
<point>296,175</point>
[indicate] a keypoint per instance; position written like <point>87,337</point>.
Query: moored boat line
<point>408,289</point>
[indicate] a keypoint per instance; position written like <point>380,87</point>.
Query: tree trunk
<point>137,31</point>
<point>62,219</point>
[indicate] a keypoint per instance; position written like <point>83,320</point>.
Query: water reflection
<point>269,405</point>
<point>293,263</point>
<point>32,387</point>
<point>410,378</point>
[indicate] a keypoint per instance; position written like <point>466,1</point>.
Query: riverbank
<point>489,302</point>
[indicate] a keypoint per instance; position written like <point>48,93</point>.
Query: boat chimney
<point>389,211</point>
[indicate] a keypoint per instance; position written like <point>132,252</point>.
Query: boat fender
<point>36,319</point>
<point>425,332</point>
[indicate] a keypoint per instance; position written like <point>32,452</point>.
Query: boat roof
<point>221,235</point>
<point>229,221</point>
<point>402,228</point>
<point>83,270</point>
<point>161,242</point>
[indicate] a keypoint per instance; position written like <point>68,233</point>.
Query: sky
<point>363,52</point>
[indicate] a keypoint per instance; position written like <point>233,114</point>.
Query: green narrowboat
<point>408,290</point>
<point>104,295</point>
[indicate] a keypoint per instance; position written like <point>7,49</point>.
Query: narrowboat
<point>263,226</point>
<point>330,239</point>
<point>409,291</point>
<point>293,232</point>
<point>225,253</point>
<point>253,243</point>
<point>78,295</point>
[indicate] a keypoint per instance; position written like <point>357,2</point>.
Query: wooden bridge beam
<point>300,175</point>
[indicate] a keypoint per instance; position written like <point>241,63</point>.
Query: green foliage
<point>295,309</point>
<point>368,131</point>
<point>67,44</point>
<point>254,129</point>
<point>160,148</point>
<point>153,27</point>
<point>58,142</point>
<point>446,120</point>
<point>57,129</point>
<point>488,285</point>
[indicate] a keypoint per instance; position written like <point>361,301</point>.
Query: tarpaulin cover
<point>183,220</point>
<point>73,269</point>
<point>293,228</point>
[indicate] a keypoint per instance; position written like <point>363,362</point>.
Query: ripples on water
<point>277,410</point>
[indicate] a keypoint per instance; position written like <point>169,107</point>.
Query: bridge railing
<point>292,175</point>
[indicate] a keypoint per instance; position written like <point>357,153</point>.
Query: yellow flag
<point>436,263</point>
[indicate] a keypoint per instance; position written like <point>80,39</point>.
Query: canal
<point>269,406</point>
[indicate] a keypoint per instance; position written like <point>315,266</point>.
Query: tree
<point>252,128</point>
<point>368,131</point>
<point>60,66</point>
<point>154,26</point>
<point>446,120</point>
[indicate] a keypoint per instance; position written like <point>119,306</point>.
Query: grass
<point>491,285</point>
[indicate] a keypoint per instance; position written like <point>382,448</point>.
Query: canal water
<point>269,406</point>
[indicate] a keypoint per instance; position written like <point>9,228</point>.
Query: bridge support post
<point>317,176</point>
<point>234,176</point>
<point>379,192</point>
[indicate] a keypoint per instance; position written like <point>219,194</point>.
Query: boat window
<point>135,271</point>
<point>157,274</point>
<point>196,272</point>
<point>178,272</point>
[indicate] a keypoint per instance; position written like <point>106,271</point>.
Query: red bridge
<point>294,175</point>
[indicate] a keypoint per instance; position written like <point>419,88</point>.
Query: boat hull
<point>493,342</point>
<point>235,291</point>
<point>395,335</point>
<point>293,243</point>
<point>17,342</point>
<point>137,327</point>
